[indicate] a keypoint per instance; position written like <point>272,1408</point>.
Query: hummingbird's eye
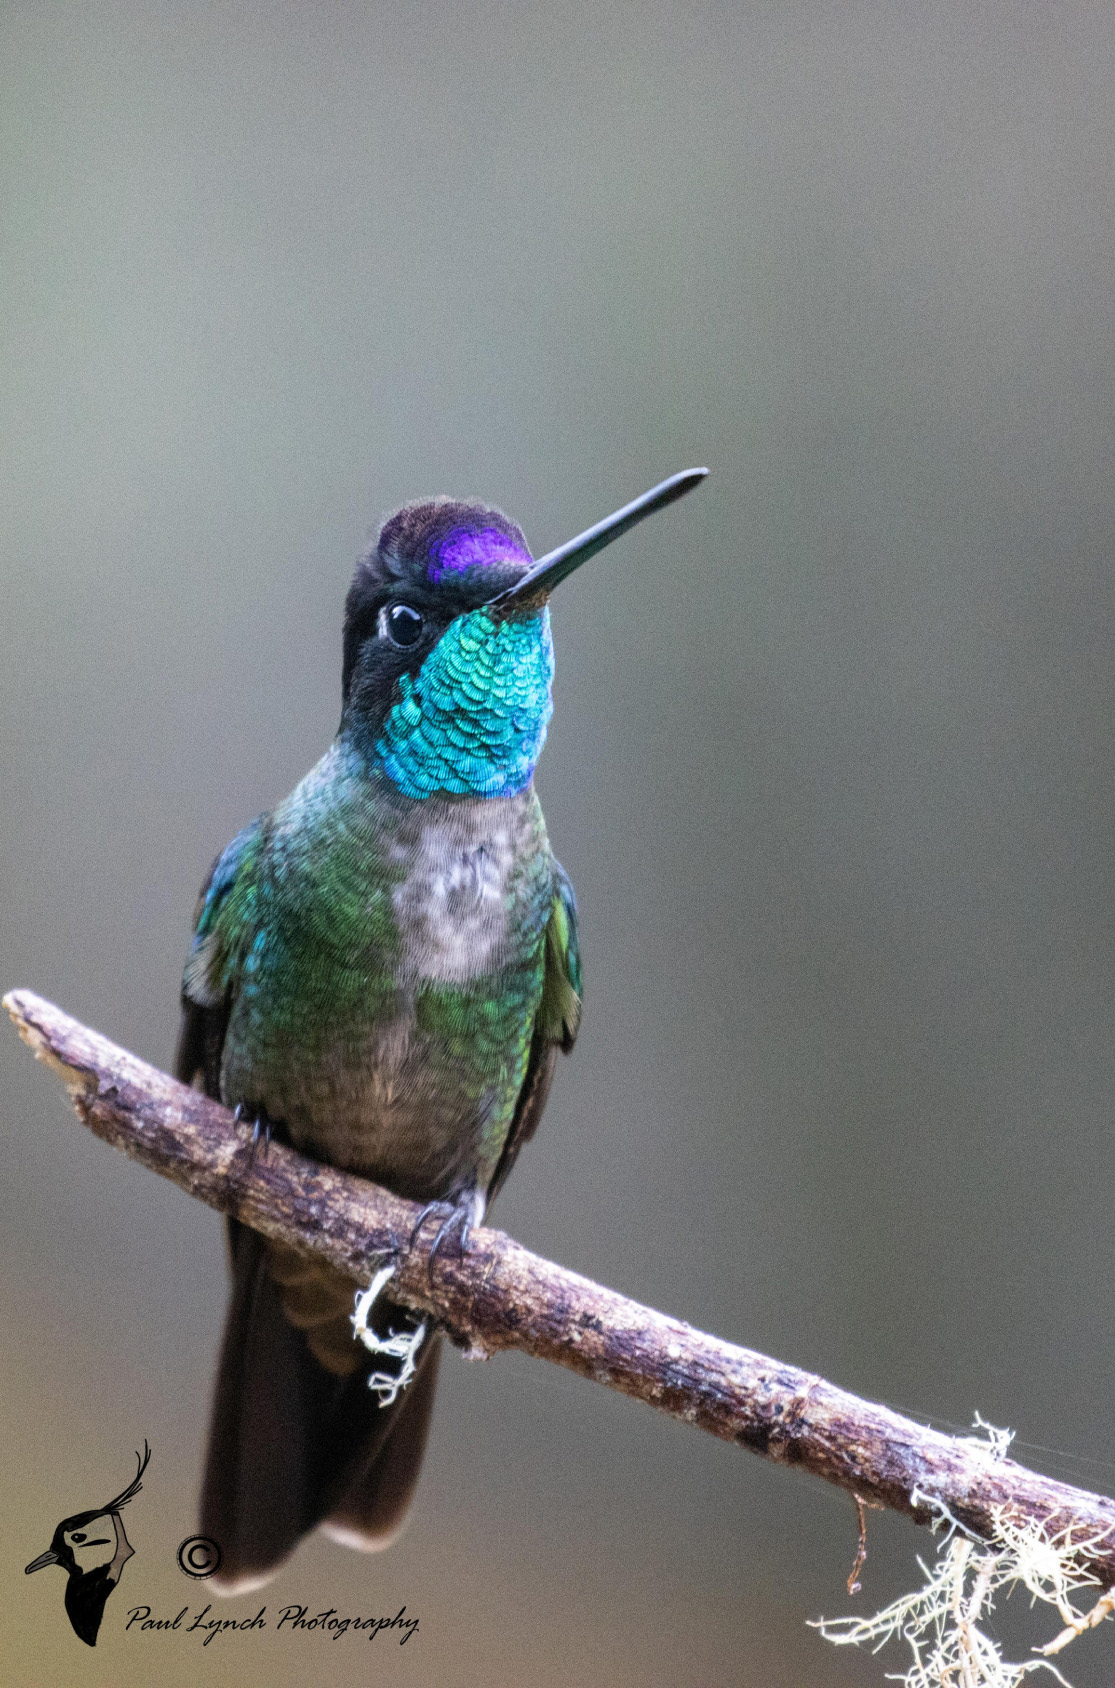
<point>401,624</point>
<point>78,1535</point>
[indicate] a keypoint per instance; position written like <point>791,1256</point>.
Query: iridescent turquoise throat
<point>474,721</point>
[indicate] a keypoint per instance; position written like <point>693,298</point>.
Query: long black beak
<point>47,1558</point>
<point>536,585</point>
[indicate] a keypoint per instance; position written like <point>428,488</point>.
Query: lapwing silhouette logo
<point>92,1549</point>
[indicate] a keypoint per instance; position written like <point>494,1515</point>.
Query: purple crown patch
<point>465,548</point>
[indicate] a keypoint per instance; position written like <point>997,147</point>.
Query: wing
<point>556,1025</point>
<point>223,928</point>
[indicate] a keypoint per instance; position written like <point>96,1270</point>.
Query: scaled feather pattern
<point>474,721</point>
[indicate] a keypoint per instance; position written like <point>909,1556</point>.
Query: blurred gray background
<point>831,762</point>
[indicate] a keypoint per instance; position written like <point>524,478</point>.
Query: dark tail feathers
<point>292,1445</point>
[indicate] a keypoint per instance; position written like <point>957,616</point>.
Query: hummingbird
<point>383,971</point>
<point>92,1549</point>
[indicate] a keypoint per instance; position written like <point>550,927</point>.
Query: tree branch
<point>499,1295</point>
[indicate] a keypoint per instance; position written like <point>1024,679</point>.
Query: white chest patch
<point>453,908</point>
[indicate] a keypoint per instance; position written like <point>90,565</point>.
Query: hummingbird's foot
<point>460,1216</point>
<point>403,1346</point>
<point>261,1131</point>
<point>430,1207</point>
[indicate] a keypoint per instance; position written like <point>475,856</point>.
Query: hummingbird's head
<point>452,697</point>
<point>448,661</point>
<point>433,561</point>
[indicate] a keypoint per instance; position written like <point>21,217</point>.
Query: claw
<point>430,1207</point>
<point>261,1128</point>
<point>467,1211</point>
<point>459,1220</point>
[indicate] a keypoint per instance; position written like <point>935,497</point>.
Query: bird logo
<point>92,1549</point>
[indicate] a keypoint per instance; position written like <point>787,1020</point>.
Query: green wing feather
<point>225,919</point>
<point>555,1026</point>
<point>560,1013</point>
<point>223,929</point>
